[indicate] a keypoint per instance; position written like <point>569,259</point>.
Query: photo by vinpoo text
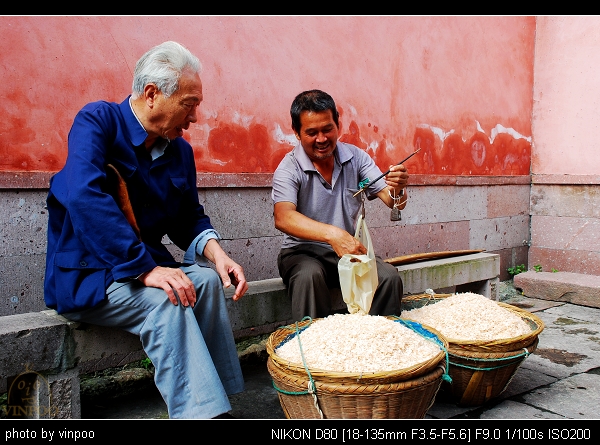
<point>47,434</point>
<point>467,434</point>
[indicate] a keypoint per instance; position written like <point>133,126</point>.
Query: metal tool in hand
<point>366,183</point>
<point>396,214</point>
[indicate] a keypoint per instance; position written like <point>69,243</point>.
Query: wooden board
<point>413,258</point>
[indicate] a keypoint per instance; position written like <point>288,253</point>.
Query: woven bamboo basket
<point>408,399</point>
<point>480,377</point>
<point>482,369</point>
<point>317,393</point>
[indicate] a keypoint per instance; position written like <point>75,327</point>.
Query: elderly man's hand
<point>171,280</point>
<point>233,274</point>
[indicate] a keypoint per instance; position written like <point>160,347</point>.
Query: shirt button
<point>82,263</point>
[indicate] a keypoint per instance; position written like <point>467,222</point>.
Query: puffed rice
<point>469,316</point>
<point>358,343</point>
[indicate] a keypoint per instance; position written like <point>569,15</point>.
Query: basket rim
<point>329,387</point>
<point>272,344</point>
<point>496,342</point>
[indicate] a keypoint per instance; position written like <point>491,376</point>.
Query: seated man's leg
<point>213,319</point>
<point>306,272</point>
<point>388,295</point>
<point>171,336</point>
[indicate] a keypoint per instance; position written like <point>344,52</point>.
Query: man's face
<point>318,134</point>
<point>177,112</point>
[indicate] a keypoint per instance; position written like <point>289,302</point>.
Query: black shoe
<point>224,416</point>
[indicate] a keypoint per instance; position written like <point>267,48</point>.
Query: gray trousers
<point>309,272</point>
<point>192,349</point>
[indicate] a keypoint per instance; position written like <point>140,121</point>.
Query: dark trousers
<point>309,271</point>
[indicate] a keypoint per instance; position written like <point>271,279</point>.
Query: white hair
<point>163,65</point>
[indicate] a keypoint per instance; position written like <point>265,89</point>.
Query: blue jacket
<point>90,242</point>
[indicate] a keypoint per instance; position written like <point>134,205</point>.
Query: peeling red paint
<point>514,155</point>
<point>380,154</point>
<point>456,156</point>
<point>477,156</point>
<point>233,148</point>
<point>383,158</point>
<point>353,136</point>
<point>479,148</point>
<point>427,158</point>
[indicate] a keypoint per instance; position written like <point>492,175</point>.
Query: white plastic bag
<point>358,273</point>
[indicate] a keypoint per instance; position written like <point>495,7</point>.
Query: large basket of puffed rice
<point>356,366</point>
<point>487,341</point>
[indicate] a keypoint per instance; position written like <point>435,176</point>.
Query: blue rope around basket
<point>298,330</point>
<point>523,354</point>
<point>427,335</point>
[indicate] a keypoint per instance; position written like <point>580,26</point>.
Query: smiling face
<point>318,134</point>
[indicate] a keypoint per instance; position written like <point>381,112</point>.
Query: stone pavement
<point>560,380</point>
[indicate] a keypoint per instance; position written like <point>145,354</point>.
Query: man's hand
<point>342,243</point>
<point>292,222</point>
<point>396,181</point>
<point>230,271</point>
<point>171,280</point>
<point>397,178</point>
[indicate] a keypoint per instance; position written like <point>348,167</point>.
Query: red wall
<point>458,87</point>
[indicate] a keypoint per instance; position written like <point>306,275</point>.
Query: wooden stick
<point>407,259</point>
<point>382,175</point>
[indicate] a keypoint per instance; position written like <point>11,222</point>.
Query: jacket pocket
<point>180,183</point>
<point>80,281</point>
<point>177,191</point>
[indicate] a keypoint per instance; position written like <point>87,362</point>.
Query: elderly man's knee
<point>203,276</point>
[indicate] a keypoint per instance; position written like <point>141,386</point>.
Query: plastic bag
<point>358,273</point>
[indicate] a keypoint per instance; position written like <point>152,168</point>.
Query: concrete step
<point>566,287</point>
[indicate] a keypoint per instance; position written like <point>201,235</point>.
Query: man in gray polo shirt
<point>314,207</point>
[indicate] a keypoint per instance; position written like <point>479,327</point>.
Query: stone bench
<point>566,287</point>
<point>45,352</point>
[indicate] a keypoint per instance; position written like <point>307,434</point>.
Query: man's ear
<point>150,93</point>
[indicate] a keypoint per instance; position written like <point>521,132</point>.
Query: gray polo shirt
<point>296,180</point>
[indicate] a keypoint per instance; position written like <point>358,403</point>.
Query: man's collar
<point>138,132</point>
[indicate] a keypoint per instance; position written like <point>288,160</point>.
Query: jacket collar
<point>135,130</point>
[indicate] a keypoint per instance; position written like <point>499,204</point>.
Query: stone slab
<point>569,342</point>
<point>566,287</point>
<point>575,397</point>
<point>530,304</point>
<point>34,341</point>
<point>509,409</point>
